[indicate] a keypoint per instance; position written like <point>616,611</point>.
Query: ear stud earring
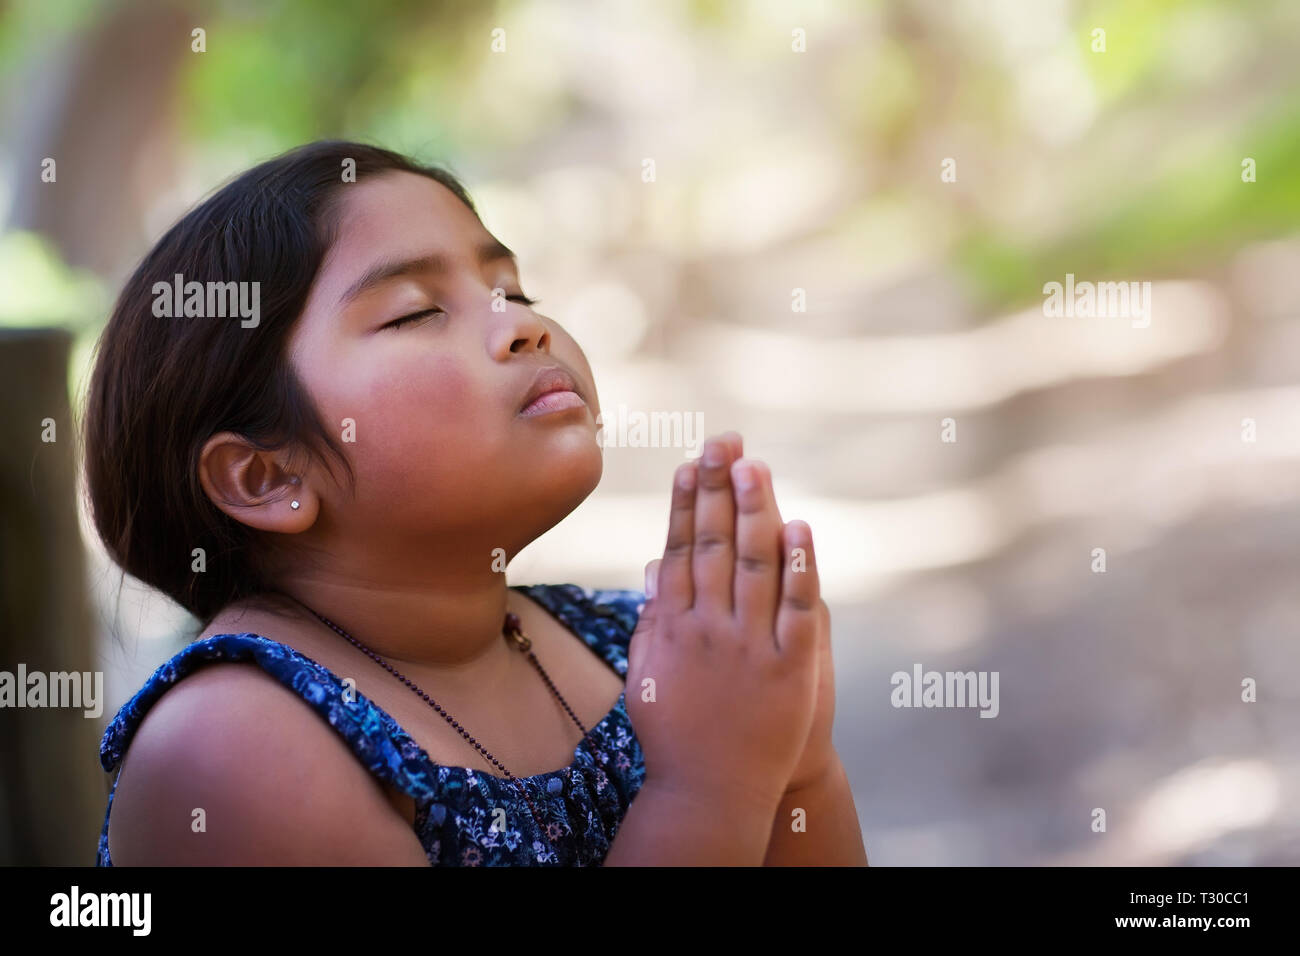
<point>294,505</point>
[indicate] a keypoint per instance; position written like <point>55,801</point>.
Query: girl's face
<point>429,409</point>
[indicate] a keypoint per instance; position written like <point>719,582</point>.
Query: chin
<point>583,463</point>
<point>550,504</point>
<point>566,473</point>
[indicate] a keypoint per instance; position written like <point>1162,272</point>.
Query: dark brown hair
<point>161,387</point>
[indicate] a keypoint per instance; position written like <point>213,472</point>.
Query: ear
<point>254,487</point>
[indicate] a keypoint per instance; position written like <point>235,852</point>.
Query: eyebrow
<point>432,263</point>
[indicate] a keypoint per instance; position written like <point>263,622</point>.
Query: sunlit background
<point>740,209</point>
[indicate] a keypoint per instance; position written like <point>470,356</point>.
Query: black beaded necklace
<point>514,633</point>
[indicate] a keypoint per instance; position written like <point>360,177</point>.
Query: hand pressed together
<point>730,686</point>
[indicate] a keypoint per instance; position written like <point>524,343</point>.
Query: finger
<point>676,590</point>
<point>757,584</point>
<point>825,656</point>
<point>799,610</point>
<point>652,578</point>
<point>713,554</point>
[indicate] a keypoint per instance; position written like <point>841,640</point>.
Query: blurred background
<point>827,225</point>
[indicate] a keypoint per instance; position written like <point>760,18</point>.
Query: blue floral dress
<point>456,808</point>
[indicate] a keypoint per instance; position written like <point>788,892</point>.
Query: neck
<point>453,625</point>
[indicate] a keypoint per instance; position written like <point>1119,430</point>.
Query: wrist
<point>740,802</point>
<point>831,834</point>
<point>676,822</point>
<point>823,772</point>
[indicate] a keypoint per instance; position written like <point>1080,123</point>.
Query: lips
<point>549,379</point>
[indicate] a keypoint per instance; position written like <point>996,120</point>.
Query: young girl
<point>332,477</point>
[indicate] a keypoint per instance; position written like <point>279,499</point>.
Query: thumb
<point>646,621</point>
<point>637,646</point>
<point>652,579</point>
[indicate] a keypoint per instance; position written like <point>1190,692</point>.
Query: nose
<point>518,329</point>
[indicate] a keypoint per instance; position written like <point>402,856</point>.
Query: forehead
<point>400,212</point>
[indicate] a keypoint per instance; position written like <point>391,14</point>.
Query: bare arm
<point>831,836</point>
<point>207,783</point>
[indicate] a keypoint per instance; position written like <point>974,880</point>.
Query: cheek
<point>422,409</point>
<point>429,392</point>
<point>418,422</point>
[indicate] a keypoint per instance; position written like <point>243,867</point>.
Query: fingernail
<point>714,454</point>
<point>651,580</point>
<point>743,474</point>
<point>686,477</point>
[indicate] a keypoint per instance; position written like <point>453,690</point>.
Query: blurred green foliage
<point>297,70</point>
<point>1181,225</point>
<point>40,290</point>
<point>406,73</point>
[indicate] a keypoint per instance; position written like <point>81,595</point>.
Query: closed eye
<point>406,319</point>
<point>416,316</point>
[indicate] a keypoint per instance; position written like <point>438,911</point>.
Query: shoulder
<point>186,667</point>
<point>229,767</point>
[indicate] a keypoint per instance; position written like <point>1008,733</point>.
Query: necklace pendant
<point>516,634</point>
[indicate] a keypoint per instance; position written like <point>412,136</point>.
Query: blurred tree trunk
<point>102,108</point>
<point>52,795</point>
